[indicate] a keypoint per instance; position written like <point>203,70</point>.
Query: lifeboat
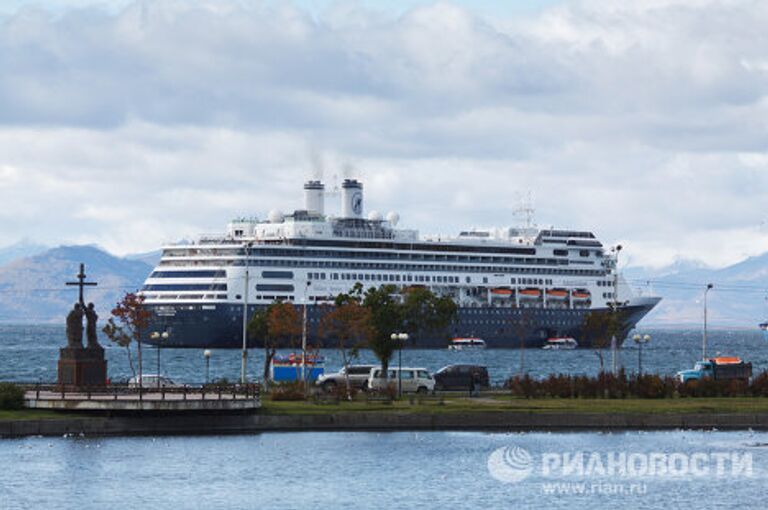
<point>557,293</point>
<point>530,293</point>
<point>581,294</point>
<point>502,292</point>
<point>464,343</point>
<point>560,344</point>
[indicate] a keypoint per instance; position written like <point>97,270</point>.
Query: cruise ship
<point>514,287</point>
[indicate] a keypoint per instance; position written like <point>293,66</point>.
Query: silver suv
<point>358,377</point>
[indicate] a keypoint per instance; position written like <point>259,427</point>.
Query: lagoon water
<point>29,354</point>
<point>376,470</point>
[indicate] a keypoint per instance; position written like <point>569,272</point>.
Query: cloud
<point>643,121</point>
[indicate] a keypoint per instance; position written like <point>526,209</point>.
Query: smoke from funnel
<point>316,162</point>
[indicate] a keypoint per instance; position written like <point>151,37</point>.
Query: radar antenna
<point>525,209</point>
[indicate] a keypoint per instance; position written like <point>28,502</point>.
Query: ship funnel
<point>314,197</point>
<point>351,199</point>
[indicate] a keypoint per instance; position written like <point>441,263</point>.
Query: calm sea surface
<point>443,470</point>
<point>385,470</point>
<point>29,353</point>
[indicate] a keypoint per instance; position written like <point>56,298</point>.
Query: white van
<point>413,380</point>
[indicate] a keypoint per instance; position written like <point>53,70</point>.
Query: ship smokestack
<point>351,199</point>
<point>314,197</point>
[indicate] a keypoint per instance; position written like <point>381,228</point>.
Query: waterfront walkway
<point>232,398</point>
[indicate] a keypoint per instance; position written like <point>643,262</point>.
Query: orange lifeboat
<point>502,292</point>
<point>557,293</point>
<point>581,294</point>
<point>530,293</point>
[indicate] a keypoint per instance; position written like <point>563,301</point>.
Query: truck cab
<point>701,370</point>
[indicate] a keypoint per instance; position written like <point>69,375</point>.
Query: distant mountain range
<point>32,286</point>
<point>19,250</point>
<point>737,299</point>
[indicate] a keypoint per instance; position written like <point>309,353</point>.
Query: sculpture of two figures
<point>75,327</point>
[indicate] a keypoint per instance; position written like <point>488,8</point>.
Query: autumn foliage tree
<point>129,319</point>
<point>601,327</point>
<point>277,326</point>
<point>349,325</point>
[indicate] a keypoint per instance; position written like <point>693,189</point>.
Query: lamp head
<point>207,353</point>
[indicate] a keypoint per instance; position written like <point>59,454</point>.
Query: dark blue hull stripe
<point>220,326</point>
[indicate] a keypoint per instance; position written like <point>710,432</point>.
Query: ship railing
<point>150,392</point>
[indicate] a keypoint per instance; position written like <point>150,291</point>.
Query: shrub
<point>759,386</point>
<point>339,391</point>
<point>11,396</point>
<point>293,390</point>
<point>608,385</point>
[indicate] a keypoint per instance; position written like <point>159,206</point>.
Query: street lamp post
<point>704,337</point>
<point>244,364</point>
<point>159,338</point>
<point>304,335</point>
<point>207,356</point>
<point>615,308</point>
<point>400,338</point>
<point>640,340</point>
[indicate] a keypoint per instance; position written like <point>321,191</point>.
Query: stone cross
<point>81,283</point>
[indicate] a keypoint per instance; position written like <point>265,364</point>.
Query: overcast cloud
<point>646,122</point>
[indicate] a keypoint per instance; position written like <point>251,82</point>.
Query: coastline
<point>254,423</point>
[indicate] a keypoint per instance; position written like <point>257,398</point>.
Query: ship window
<point>267,287</point>
<point>277,274</point>
<point>584,253</point>
<point>209,286</point>
<point>188,274</point>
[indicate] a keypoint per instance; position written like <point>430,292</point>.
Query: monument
<point>82,365</point>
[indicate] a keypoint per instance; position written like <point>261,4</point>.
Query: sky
<point>130,124</point>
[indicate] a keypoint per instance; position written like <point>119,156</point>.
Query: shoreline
<point>255,423</point>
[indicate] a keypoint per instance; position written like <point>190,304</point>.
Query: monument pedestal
<point>82,367</point>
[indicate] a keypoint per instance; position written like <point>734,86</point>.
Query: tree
<point>349,324</point>
<point>386,318</point>
<point>600,327</point>
<point>426,313</point>
<point>129,319</point>
<point>277,326</point>
<point>258,329</point>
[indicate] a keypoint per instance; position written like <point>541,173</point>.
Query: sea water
<point>29,354</point>
<point>402,470</point>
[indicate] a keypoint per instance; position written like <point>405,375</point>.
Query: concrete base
<point>244,423</point>
<point>82,367</point>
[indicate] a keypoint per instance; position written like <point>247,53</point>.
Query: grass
<point>34,414</point>
<point>433,405</point>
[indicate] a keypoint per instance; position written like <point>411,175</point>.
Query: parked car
<point>460,377</point>
<point>151,381</point>
<point>413,380</point>
<point>358,377</point>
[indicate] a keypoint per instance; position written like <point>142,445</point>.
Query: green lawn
<point>34,414</point>
<point>509,404</point>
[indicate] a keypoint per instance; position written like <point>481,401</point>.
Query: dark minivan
<point>460,377</point>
